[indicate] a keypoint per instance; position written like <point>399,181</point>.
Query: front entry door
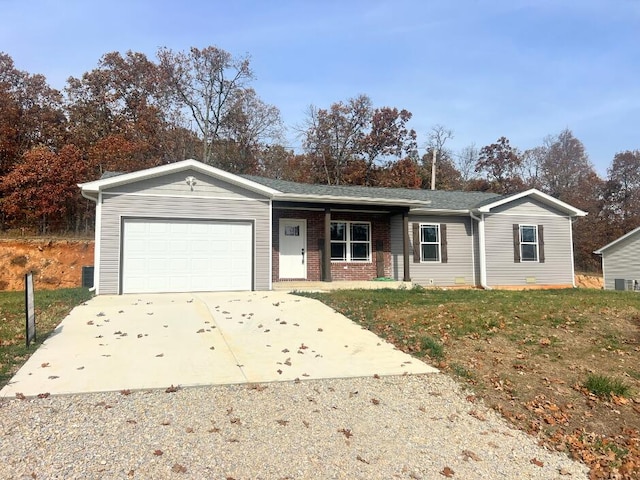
<point>293,248</point>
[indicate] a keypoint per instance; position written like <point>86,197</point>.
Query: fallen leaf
<point>537,462</point>
<point>447,472</point>
<point>177,468</point>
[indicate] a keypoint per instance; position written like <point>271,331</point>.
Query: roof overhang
<point>329,199</point>
<point>91,190</point>
<point>538,195</point>
<point>608,245</point>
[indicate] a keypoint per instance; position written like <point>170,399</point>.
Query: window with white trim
<point>528,243</point>
<point>350,241</point>
<point>430,245</point>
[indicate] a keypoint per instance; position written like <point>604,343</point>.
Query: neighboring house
<point>621,262</point>
<point>187,226</point>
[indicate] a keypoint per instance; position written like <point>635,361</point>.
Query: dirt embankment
<point>55,263</point>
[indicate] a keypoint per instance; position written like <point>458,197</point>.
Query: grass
<point>51,307</point>
<point>606,386</point>
<point>549,361</point>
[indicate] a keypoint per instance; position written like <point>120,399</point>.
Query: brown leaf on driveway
<point>157,453</point>
<point>200,331</point>
<point>177,468</point>
<point>20,396</point>
<point>172,389</point>
<point>447,472</point>
<point>468,454</point>
<point>537,462</point>
<point>44,395</point>
<point>45,365</point>
<point>346,432</point>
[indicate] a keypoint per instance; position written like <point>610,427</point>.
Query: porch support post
<point>405,245</point>
<point>327,245</point>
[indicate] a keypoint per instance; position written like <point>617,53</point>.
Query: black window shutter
<point>416,243</point>
<point>516,243</point>
<point>541,243</point>
<point>443,244</point>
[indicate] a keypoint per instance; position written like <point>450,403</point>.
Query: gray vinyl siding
<point>175,184</point>
<point>525,206</point>
<point>621,260</point>
<point>460,263</point>
<point>502,270</point>
<point>115,207</point>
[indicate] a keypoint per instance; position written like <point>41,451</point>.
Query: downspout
<point>573,267</point>
<point>96,243</point>
<point>481,250</point>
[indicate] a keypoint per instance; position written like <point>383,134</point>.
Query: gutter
<point>481,248</point>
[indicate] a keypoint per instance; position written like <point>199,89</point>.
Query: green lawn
<point>560,364</point>
<point>51,307</point>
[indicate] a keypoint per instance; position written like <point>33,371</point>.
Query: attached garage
<point>186,255</point>
<point>181,227</point>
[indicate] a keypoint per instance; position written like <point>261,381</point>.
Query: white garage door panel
<point>186,256</point>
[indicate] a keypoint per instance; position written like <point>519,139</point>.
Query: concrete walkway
<point>153,341</point>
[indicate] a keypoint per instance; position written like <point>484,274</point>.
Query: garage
<point>186,255</point>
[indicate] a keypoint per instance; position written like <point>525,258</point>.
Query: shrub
<point>605,386</point>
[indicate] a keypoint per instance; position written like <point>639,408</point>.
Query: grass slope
<point>560,364</point>
<point>51,307</point>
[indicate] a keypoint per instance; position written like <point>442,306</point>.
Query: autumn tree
<point>623,190</point>
<point>41,191</point>
<point>334,136</point>
<point>31,113</point>
<point>121,103</point>
<point>565,166</point>
<point>501,163</point>
<point>388,136</point>
<point>205,82</point>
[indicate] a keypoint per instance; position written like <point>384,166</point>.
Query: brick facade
<point>380,232</point>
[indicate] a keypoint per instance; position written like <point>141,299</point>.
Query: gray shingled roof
<point>439,199</point>
<point>434,199</point>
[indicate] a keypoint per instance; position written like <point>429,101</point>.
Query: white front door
<point>293,248</point>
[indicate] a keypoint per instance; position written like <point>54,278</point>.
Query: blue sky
<point>523,69</point>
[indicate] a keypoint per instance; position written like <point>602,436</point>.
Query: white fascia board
<point>627,235</point>
<point>437,211</point>
<point>543,197</point>
<point>125,178</point>
<point>292,197</point>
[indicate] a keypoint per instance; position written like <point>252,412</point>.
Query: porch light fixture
<point>191,181</point>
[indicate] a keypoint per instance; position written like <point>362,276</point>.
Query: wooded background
<point>132,112</point>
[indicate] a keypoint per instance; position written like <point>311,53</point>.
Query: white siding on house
<point>502,269</point>
<point>115,207</point>
<point>621,260</point>
<point>459,268</point>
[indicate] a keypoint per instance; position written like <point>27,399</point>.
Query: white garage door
<point>186,256</point>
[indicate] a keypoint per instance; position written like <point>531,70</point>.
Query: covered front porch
<point>336,243</point>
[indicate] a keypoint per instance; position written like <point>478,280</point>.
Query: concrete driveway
<point>154,341</point>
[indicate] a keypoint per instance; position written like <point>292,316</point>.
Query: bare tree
<point>465,162</point>
<point>204,82</point>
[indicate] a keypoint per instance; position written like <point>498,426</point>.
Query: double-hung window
<point>528,243</point>
<point>350,241</point>
<point>430,242</point>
